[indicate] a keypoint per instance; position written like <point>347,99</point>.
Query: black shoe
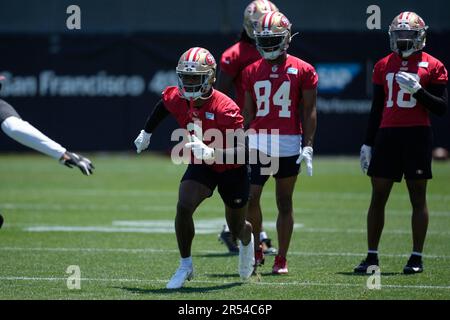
<point>226,237</point>
<point>414,265</point>
<point>1,220</point>
<point>268,248</point>
<point>364,265</point>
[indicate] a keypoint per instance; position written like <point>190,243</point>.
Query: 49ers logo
<point>210,59</point>
<point>284,22</point>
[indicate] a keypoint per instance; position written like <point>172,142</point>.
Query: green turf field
<point>117,227</point>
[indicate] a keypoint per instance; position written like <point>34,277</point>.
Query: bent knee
<point>185,208</point>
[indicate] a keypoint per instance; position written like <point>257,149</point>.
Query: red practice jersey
<point>218,112</point>
<point>276,90</point>
<point>234,60</point>
<point>400,107</point>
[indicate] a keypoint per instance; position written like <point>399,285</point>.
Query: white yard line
<point>306,195</point>
<point>95,250</point>
<point>217,282</point>
<point>154,250</point>
<point>206,229</point>
<point>64,207</point>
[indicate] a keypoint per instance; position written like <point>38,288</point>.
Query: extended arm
<point>434,98</point>
<point>26,134</point>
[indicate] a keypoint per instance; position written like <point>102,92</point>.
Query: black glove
<point>70,159</point>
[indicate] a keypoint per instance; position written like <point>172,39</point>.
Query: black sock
<point>415,258</point>
<point>372,256</point>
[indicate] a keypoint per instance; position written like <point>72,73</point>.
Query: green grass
<point>331,207</point>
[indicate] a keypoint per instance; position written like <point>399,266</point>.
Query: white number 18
<point>401,102</point>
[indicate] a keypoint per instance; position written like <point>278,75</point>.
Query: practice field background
<point>117,227</point>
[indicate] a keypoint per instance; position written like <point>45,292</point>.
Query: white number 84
<point>280,98</point>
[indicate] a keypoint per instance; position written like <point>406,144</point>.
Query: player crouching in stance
<point>408,84</point>
<point>279,87</point>
<point>198,108</point>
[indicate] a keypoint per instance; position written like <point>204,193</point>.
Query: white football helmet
<point>407,34</point>
<point>273,35</point>
<point>253,12</point>
<point>196,72</point>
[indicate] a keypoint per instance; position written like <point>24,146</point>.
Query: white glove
<point>142,141</point>
<point>307,154</point>
<point>407,82</point>
<point>364,157</point>
<point>201,151</point>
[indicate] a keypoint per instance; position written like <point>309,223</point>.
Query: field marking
<point>34,206</point>
<point>202,226</point>
<point>123,250</point>
<point>217,282</point>
<point>205,229</point>
<point>153,250</point>
<point>330,195</point>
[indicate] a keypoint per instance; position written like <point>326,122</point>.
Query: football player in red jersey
<point>198,107</point>
<point>233,61</point>
<point>408,85</point>
<point>279,87</point>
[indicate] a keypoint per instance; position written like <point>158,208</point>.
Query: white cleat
<point>246,259</point>
<point>179,278</point>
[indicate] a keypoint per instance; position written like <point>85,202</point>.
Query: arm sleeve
<point>24,133</point>
<point>375,114</point>
<point>434,98</point>
<point>159,114</point>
